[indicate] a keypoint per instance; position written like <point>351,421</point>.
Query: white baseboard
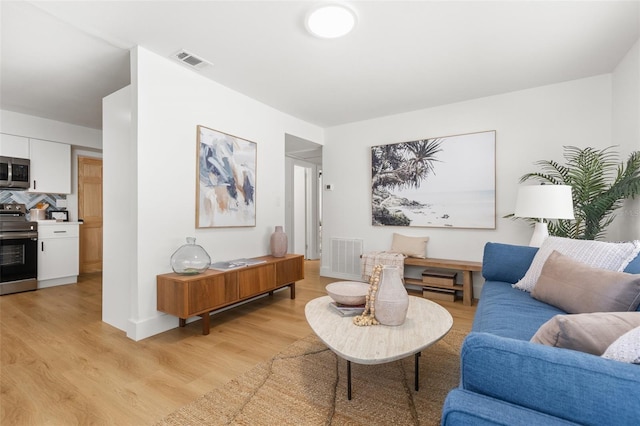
<point>58,281</point>
<point>138,330</point>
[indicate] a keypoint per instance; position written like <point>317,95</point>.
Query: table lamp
<point>544,202</point>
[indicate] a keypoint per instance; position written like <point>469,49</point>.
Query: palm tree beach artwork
<point>439,182</point>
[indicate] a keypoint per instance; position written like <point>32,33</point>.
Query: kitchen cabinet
<point>14,146</point>
<point>58,253</point>
<point>50,167</point>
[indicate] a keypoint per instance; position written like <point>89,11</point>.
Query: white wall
<point>30,126</point>
<point>531,125</point>
<point>169,101</point>
<point>626,133</point>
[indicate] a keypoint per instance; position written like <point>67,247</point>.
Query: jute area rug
<point>306,384</point>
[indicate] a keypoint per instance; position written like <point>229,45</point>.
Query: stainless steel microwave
<point>14,173</point>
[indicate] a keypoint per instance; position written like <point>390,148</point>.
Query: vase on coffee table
<point>392,299</point>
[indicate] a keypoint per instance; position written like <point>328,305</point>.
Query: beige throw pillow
<point>599,254</point>
<point>591,333</point>
<point>578,288</point>
<point>409,246</point>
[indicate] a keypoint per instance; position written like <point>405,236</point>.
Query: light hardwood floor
<point>61,365</point>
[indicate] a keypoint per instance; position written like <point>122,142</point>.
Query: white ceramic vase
<point>392,300</point>
<point>278,243</point>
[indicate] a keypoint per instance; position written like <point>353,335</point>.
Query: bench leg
<point>467,288</point>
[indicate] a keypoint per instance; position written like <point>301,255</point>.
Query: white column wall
<point>169,101</point>
<point>119,196</point>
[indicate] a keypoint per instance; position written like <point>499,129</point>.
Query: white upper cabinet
<point>14,146</point>
<point>50,167</point>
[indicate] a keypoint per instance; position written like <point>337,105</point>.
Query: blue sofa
<point>507,380</point>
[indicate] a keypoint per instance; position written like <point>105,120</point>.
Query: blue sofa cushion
<point>506,262</point>
<point>634,266</point>
<point>508,312</point>
<point>571,385</point>
<point>467,408</point>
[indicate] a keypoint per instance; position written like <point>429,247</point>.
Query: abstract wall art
<point>226,180</point>
<point>444,182</point>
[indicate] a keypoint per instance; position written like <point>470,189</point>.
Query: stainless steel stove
<point>18,250</point>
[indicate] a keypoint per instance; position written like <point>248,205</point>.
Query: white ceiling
<point>60,58</point>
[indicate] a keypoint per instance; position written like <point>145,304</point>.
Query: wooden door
<point>90,211</point>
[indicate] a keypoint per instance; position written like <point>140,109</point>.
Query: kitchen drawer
<point>58,231</point>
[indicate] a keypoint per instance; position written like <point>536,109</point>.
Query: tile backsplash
<point>29,199</point>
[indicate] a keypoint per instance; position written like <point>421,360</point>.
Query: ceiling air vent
<point>190,59</point>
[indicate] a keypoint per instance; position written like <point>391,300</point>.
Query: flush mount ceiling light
<point>330,21</point>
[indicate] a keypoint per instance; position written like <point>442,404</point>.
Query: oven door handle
<point>18,235</point>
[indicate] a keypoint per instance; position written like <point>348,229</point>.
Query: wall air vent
<point>190,59</point>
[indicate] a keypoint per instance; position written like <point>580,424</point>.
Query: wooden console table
<point>466,267</point>
<point>198,295</point>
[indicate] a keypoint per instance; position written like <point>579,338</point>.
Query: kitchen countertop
<point>55,222</point>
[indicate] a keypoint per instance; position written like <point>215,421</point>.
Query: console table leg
<point>292,286</point>
<point>205,323</point>
<point>417,372</point>
<point>349,380</point>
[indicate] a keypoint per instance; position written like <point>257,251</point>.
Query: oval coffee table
<point>426,323</point>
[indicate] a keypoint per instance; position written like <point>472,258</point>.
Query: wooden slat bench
<point>466,267</point>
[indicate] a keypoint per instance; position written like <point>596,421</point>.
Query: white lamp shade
<point>544,202</point>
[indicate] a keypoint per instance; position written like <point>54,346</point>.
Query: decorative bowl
<point>348,292</point>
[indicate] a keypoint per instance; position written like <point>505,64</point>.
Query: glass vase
<point>190,259</point>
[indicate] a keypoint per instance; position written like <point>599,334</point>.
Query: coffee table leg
<point>349,380</point>
<point>417,372</point>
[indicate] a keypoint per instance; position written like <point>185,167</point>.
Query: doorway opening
<point>303,177</point>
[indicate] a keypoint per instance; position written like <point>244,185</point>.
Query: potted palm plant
<point>600,184</point>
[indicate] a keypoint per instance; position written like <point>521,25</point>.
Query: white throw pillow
<point>626,348</point>
<point>597,254</point>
